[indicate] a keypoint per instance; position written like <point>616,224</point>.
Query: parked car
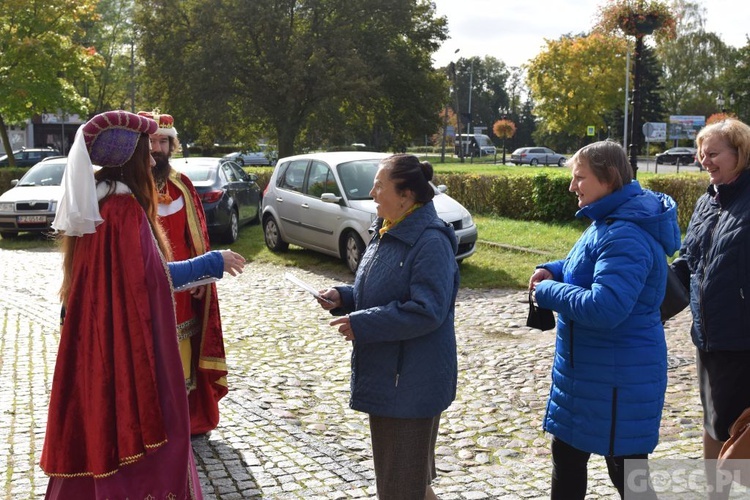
<point>30,205</point>
<point>683,155</point>
<point>26,157</point>
<point>536,156</point>
<point>230,196</point>
<point>474,145</point>
<point>264,156</point>
<point>321,201</point>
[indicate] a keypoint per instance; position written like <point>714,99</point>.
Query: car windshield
<point>198,173</point>
<point>483,140</point>
<point>44,174</point>
<point>356,178</point>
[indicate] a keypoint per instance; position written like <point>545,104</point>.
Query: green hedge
<point>545,196</point>
<point>524,196</point>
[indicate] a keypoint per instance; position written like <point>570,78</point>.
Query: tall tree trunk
<point>6,143</point>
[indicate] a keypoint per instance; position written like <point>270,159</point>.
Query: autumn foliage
<point>504,129</point>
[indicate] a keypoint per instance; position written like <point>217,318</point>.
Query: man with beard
<point>198,319</point>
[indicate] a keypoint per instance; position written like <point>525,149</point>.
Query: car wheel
<point>272,235</point>
<point>233,229</point>
<point>354,247</point>
<point>561,162</point>
<point>8,235</point>
<point>534,162</point>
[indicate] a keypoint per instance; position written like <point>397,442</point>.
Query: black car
<point>683,155</point>
<point>231,197</point>
<point>26,157</point>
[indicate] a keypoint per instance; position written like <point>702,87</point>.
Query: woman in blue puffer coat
<point>609,374</point>
<point>399,317</point>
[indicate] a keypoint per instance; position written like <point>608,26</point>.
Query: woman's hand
<point>540,274</point>
<point>233,262</point>
<point>331,299</point>
<point>345,327</point>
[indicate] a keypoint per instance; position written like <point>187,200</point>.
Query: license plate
<point>31,219</point>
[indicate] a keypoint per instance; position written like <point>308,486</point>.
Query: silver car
<point>321,201</point>
<point>264,156</point>
<point>31,203</point>
<point>536,156</point>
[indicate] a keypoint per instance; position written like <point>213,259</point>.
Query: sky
<point>514,31</point>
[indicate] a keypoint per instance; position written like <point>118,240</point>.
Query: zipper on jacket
<point>400,361</point>
<point>614,423</point>
<point>572,364</point>
<point>700,288</point>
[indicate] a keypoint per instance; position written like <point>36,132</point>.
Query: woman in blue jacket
<point>610,369</point>
<point>399,317</point>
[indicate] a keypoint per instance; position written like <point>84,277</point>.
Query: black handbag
<point>676,298</point>
<point>539,318</point>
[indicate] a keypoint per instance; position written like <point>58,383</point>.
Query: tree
<point>637,18</point>
<point>693,63</point>
<point>575,82</point>
<point>487,79</point>
<point>39,59</point>
<point>504,129</point>
<point>737,76</point>
<point>112,35</point>
<point>296,68</point>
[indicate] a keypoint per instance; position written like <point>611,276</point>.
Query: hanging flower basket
<point>638,18</point>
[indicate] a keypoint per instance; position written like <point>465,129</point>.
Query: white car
<point>30,205</point>
<point>321,201</point>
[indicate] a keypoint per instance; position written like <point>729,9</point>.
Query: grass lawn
<point>506,255</point>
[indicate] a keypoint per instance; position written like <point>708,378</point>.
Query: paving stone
<point>286,430</point>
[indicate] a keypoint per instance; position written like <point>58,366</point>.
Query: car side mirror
<point>253,177</point>
<point>13,182</point>
<point>442,188</point>
<point>330,198</point>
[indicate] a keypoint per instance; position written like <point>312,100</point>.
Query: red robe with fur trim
<point>188,235</point>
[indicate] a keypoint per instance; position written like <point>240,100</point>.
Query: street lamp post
<point>720,102</point>
<point>635,138</point>
<point>468,125</point>
<point>503,115</point>
<point>460,148</point>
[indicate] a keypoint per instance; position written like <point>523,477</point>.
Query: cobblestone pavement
<point>286,431</point>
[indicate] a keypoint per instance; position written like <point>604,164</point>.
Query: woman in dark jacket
<point>715,262</point>
<point>399,316</point>
<point>610,369</point>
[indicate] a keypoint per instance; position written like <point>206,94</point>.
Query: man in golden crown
<point>198,320</point>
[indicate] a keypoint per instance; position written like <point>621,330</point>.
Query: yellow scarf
<point>389,224</point>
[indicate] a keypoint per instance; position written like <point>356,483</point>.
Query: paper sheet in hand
<point>305,287</point>
<point>193,284</point>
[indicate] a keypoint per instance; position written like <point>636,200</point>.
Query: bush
<point>545,197</point>
<point>538,196</point>
<point>541,196</point>
<point>685,189</point>
<point>8,174</point>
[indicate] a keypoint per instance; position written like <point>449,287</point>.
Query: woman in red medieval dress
<point>118,424</point>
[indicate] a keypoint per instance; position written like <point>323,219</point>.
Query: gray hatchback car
<point>321,201</point>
